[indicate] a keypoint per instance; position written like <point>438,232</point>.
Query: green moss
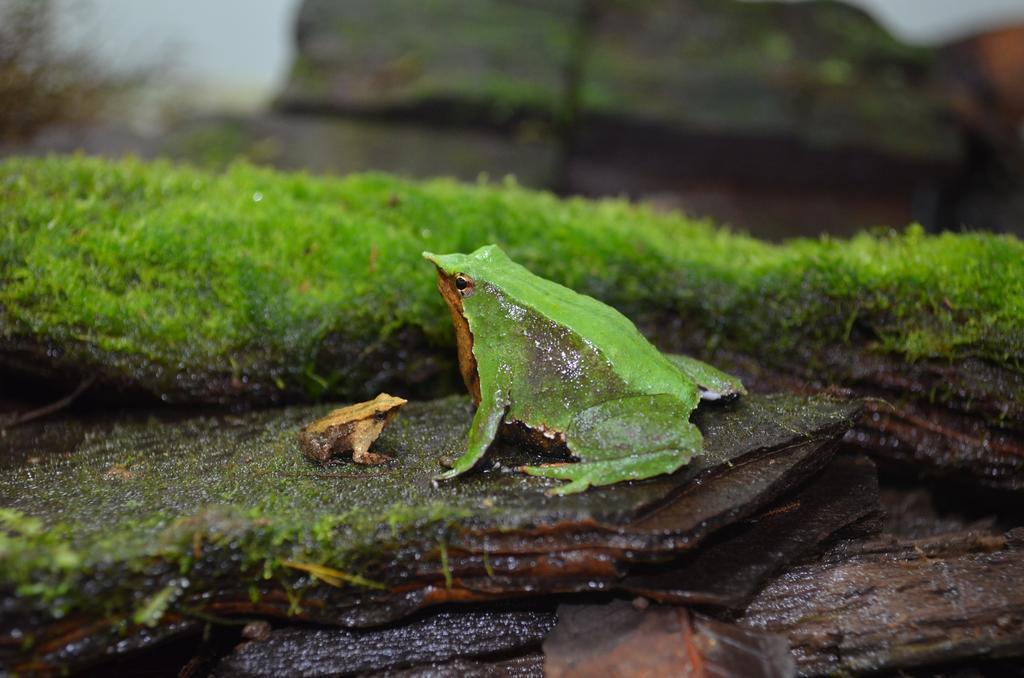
<point>171,277</point>
<point>36,557</point>
<point>163,502</point>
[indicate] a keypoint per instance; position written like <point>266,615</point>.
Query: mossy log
<point>809,72</point>
<point>728,567</point>
<point>433,55</point>
<point>257,287</point>
<point>135,531</point>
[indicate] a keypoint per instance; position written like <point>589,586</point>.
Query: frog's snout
<point>438,260</point>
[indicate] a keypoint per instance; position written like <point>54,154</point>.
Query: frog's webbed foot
<point>459,466</point>
<point>626,439</point>
<point>481,433</point>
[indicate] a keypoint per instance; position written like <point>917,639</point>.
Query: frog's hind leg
<point>625,439</point>
<point>586,473</point>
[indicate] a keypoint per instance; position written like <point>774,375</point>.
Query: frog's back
<point>636,361</point>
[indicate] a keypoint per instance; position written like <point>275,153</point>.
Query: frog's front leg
<point>489,415</point>
<point>626,439</point>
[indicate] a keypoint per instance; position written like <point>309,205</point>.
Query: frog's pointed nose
<point>436,260</point>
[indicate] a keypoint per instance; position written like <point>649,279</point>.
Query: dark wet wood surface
<point>889,603</point>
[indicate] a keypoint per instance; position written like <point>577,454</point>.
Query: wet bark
<point>887,603</point>
<point>953,419</point>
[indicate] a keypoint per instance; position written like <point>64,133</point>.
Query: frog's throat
<point>463,335</point>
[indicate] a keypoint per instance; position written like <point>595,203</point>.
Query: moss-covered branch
<point>176,279</point>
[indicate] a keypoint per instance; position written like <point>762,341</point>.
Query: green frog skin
<point>568,369</point>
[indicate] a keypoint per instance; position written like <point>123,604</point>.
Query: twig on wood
<point>46,410</point>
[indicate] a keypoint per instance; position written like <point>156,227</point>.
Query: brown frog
<point>350,429</point>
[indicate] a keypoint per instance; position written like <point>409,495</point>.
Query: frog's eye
<point>464,284</point>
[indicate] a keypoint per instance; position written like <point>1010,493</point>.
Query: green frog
<point>571,373</point>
